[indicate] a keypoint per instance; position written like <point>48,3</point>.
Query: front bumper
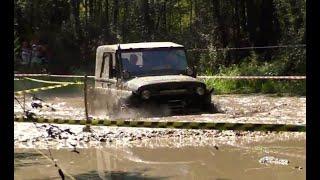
<point>172,102</point>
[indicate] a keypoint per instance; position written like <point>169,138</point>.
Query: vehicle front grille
<point>174,88</point>
<point>176,104</point>
<point>173,91</point>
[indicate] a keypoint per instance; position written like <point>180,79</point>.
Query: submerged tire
<point>210,108</point>
<point>208,105</point>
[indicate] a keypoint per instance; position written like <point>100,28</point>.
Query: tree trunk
<point>236,34</point>
<point>90,11</point>
<point>190,20</point>
<point>75,11</point>
<point>252,20</point>
<point>86,12</point>
<point>157,24</point>
<point>115,15</point>
<point>124,21</point>
<point>106,11</point>
<point>243,15</point>
<point>147,21</point>
<point>165,16</point>
<point>180,19</point>
<point>220,22</point>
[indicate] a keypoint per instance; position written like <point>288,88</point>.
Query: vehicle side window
<point>112,66</point>
<point>106,59</point>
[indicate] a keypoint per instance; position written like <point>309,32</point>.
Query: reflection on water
<point>227,162</point>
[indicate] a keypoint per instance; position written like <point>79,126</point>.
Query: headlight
<point>145,94</point>
<point>189,71</point>
<point>200,91</point>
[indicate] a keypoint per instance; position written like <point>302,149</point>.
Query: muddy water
<point>226,162</point>
<point>68,103</point>
<point>162,153</point>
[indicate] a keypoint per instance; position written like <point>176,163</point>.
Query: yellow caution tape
<point>50,82</point>
<point>172,124</point>
<point>41,89</point>
<point>51,75</point>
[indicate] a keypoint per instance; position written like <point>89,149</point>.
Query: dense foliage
<point>74,28</point>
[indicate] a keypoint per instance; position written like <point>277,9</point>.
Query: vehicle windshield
<point>154,62</point>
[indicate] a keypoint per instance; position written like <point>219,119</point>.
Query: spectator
<point>174,61</point>
<point>35,55</point>
<point>43,57</point>
<point>133,63</point>
<point>25,54</point>
<point>36,62</point>
<point>133,59</point>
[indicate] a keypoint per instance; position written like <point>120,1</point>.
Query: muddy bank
<point>30,135</point>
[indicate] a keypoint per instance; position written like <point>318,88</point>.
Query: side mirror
<point>126,74</point>
<point>114,72</point>
<point>194,69</point>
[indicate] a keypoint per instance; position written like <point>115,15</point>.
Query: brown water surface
<point>226,162</point>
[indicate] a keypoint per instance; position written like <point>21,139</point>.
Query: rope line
<point>53,162</point>
<point>249,47</point>
<point>252,77</point>
<point>61,173</point>
<point>201,77</point>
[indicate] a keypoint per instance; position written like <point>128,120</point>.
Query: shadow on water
<point>21,159</point>
<point>26,155</point>
<point>114,175</point>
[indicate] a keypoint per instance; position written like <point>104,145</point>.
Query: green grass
<point>246,86</point>
<point>280,87</point>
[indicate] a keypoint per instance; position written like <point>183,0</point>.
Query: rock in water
<point>273,160</point>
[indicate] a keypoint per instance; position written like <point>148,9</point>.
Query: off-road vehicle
<point>151,77</point>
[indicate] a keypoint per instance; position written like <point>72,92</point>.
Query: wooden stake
<point>85,97</point>
<point>87,127</point>
<point>24,103</point>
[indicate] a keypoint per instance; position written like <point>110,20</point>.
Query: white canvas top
<point>114,47</point>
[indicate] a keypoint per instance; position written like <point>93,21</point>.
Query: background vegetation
<point>73,29</point>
